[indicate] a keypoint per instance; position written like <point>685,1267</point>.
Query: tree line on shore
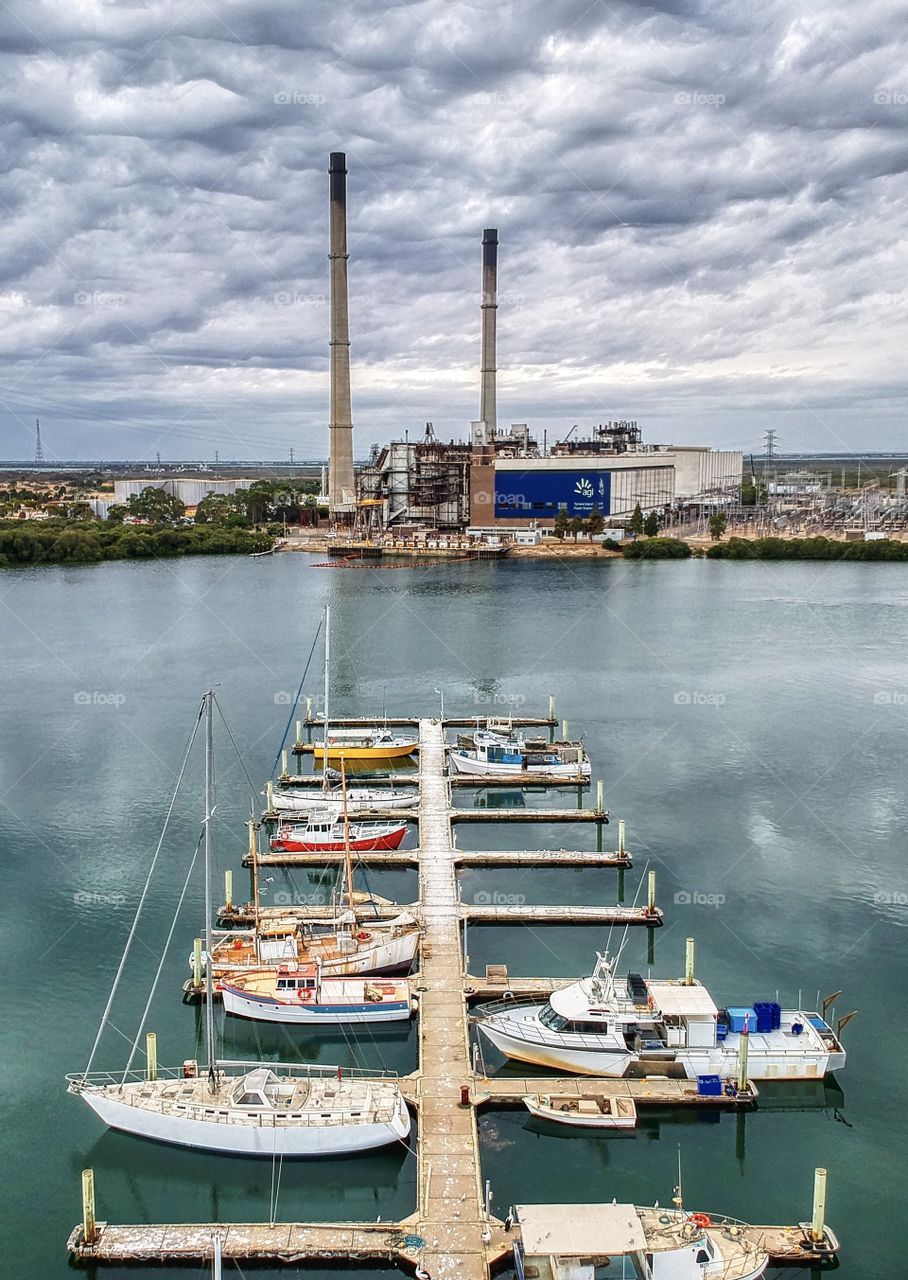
<point>62,542</point>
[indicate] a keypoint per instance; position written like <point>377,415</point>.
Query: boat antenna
<point>348,867</point>
<point>627,926</point>
<point>327,668</point>
<point>209,817</point>
<point>678,1197</point>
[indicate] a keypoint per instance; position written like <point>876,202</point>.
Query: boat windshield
<point>549,1018</point>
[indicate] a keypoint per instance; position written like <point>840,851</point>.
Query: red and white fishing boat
<point>323,833</point>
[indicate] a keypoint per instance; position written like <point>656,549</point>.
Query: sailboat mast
<point>209,813</point>
<point>327,668</point>
<point>347,860</point>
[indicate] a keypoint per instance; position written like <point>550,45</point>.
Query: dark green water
<point>749,722</point>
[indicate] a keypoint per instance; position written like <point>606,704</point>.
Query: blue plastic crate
<point>709,1086</point>
<point>737,1016</point>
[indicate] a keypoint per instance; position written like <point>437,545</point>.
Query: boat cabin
<point>303,979</point>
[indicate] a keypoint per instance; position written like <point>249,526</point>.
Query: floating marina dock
<point>452,1234</point>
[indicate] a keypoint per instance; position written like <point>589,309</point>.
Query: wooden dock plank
<point>651,1091</point>
<point>524,913</point>
<point>529,815</point>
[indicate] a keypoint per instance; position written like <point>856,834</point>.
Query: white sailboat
<point>609,1026</point>
<point>493,755</point>
<point>303,800</point>
<point>243,1108</point>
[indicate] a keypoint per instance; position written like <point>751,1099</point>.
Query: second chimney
<point>341,493</point>
<point>488,406</point>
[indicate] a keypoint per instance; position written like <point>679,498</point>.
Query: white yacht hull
<point>306,800</point>
<point>466,763</point>
<point>378,955</point>
<point>247,1139</point>
<point>267,1010</point>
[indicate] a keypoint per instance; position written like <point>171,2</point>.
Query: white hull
<point>467,763</point>
<point>305,801</point>
<point>265,1010</point>
<point>376,956</point>
<point>248,1139</point>
<point>576,1120</point>
<point>762,1063</point>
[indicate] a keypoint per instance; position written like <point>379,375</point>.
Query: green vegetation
<point>656,549</point>
<point>59,542</point>
<point>562,523</point>
<point>807,549</point>
<point>718,523</point>
<point>635,524</point>
<point>651,525</point>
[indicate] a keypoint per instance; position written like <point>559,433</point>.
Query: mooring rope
<point>132,932</point>
<point>299,692</point>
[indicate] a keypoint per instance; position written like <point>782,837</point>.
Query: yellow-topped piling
<point>689,962</point>
<point>89,1227</point>
<point>151,1056</point>
<point>818,1225</point>
<point>743,1055</point>
<point>228,889</point>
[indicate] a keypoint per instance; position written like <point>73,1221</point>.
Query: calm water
<point>749,722</point>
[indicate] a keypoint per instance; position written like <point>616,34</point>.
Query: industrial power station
<point>499,479</point>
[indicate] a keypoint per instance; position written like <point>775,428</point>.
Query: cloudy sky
<point>701,210</point>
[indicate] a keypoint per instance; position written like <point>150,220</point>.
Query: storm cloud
<point>701,210</point>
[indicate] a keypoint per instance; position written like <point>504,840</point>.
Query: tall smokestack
<point>340,428</point>
<point>488,407</point>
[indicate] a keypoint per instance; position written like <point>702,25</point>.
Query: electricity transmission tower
<point>39,447</point>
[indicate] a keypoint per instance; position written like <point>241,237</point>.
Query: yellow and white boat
<point>365,744</point>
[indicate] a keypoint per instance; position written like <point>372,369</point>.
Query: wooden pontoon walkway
<point>451,1214</point>
<point>462,857</point>
<point>652,1091</point>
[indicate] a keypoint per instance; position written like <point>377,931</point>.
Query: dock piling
<point>308,709</point>
<point>197,963</point>
<point>818,1225</point>
<point>564,729</point>
<point>269,796</point>
<point>285,763</point>
<point>622,852</point>
<point>89,1226</point>
<point>299,732</point>
<point>650,892</point>
<point>743,1055</point>
<point>151,1056</point>
<point>228,890</point>
<point>689,962</point>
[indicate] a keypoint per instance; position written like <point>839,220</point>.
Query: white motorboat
<point>242,1108</point>
<point>578,1242</point>
<point>582,1111</point>
<point>609,1026</point>
<point>493,755</point>
<point>292,994</point>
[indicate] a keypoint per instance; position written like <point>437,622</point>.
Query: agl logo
<point>584,488</point>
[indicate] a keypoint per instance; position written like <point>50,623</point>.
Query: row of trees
<point>807,549</point>
<point>263,501</point>
<point>59,542</point>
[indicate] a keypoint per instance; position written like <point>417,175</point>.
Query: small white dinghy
<point>583,1111</point>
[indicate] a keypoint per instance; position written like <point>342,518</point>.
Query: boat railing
<point>295,1071</point>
